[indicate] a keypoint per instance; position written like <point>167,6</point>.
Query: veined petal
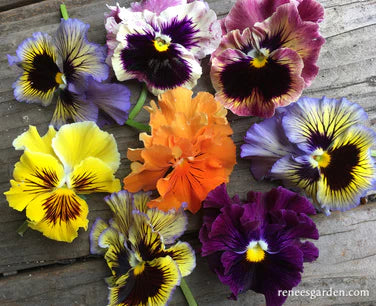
<point>35,174</point>
<point>160,70</point>
<point>77,141</point>
<point>350,172</point>
<point>285,29</point>
<point>99,226</point>
<point>78,54</point>
<point>38,81</point>
<point>314,123</point>
<point>193,26</point>
<point>311,10</point>
<point>93,175</point>
<point>298,172</point>
<point>150,283</point>
<point>72,106</point>
<point>32,141</point>
<point>155,6</point>
<point>184,256</point>
<point>248,90</point>
<point>112,98</point>
<point>265,143</point>
<point>64,214</point>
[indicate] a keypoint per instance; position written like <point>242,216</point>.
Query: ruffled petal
<point>99,226</point>
<point>311,10</point>
<point>79,56</point>
<point>64,214</point>
<point>314,123</point>
<point>155,6</point>
<point>184,256</point>
<point>31,140</point>
<point>113,99</point>
<point>75,142</point>
<point>40,78</point>
<point>71,106</point>
<point>93,175</point>
<point>35,174</point>
<point>150,283</point>
<point>350,172</point>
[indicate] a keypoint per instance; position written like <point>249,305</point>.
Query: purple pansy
<point>65,68</point>
<point>266,64</point>
<point>256,245</point>
<point>161,46</point>
<point>318,145</point>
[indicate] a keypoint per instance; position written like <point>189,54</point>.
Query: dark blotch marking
<point>61,208</point>
<point>240,79</point>
<point>43,72</point>
<point>342,162</point>
<point>319,140</point>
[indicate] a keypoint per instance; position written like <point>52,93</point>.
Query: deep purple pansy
<point>256,245</point>
<point>66,68</point>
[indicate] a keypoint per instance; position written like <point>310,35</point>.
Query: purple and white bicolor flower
<point>256,245</point>
<point>162,47</point>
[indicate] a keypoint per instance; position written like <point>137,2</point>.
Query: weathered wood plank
<point>348,69</point>
<point>344,264</point>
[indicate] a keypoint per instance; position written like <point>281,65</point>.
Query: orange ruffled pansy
<point>188,154</point>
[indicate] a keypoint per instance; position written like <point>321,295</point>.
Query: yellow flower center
<point>160,44</point>
<point>60,78</point>
<point>139,268</point>
<point>255,253</point>
<point>323,159</point>
<point>260,59</point>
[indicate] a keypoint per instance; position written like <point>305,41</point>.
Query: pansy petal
<point>78,54</point>
<point>73,107</point>
<point>32,141</point>
<point>155,6</point>
<point>38,81</point>
<point>311,10</point>
<point>248,90</point>
<point>99,226</point>
<point>112,98</point>
<point>298,171</point>
<point>65,213</point>
<point>93,175</point>
<point>350,172</point>
<point>193,26</point>
<point>285,29</point>
<point>314,123</point>
<point>151,283</point>
<point>75,142</point>
<point>36,173</point>
<point>265,143</point>
<point>184,256</point>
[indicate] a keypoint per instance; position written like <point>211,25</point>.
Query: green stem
<point>139,126</point>
<point>23,228</point>
<point>64,12</point>
<point>140,103</point>
<point>187,293</point>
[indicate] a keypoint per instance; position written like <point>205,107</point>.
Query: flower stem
<point>139,126</point>
<point>23,228</point>
<point>187,293</point>
<point>64,12</point>
<point>140,103</point>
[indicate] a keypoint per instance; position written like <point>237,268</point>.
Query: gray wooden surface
<point>38,271</point>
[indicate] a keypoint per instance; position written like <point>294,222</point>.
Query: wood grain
<point>347,245</point>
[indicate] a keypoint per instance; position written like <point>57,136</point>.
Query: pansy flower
<point>54,169</point>
<point>268,64</point>
<point>162,48</point>
<point>318,145</point>
<point>188,153</point>
<point>256,245</point>
<point>144,270</point>
<point>65,68</point>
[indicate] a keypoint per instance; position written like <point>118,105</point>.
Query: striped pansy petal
<point>99,226</point>
<point>79,56</point>
<point>41,76</point>
<point>149,283</point>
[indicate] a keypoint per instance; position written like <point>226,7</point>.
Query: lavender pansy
<point>256,245</point>
<point>319,146</point>
<point>60,69</point>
